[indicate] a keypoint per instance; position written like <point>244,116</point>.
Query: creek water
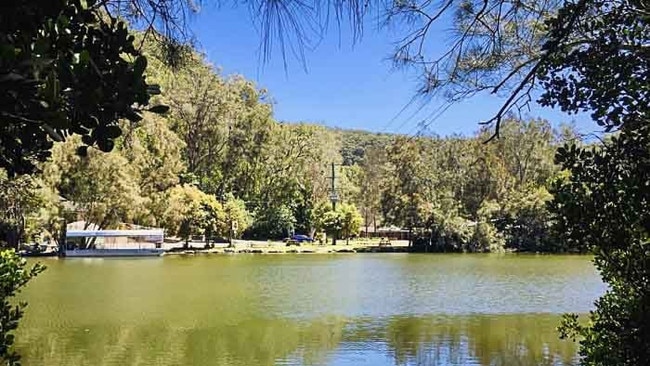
<point>339,309</point>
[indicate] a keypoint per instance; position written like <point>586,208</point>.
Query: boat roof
<point>114,233</point>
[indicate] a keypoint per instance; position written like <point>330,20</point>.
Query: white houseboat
<point>114,243</point>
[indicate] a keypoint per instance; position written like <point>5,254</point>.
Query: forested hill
<point>219,156</point>
<point>354,143</point>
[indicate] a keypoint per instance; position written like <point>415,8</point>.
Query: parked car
<point>302,238</point>
<point>298,239</point>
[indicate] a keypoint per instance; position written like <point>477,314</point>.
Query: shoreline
<point>219,251</point>
<point>256,247</point>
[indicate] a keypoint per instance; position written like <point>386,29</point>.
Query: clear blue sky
<point>345,85</point>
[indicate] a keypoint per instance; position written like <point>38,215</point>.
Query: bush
<point>14,275</point>
<point>486,238</point>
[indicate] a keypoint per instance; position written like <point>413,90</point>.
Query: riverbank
<point>278,247</point>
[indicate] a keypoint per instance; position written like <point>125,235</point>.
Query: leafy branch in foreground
<point>603,203</point>
<point>508,48</point>
<point>604,206</point>
<point>14,275</point>
<point>66,67</point>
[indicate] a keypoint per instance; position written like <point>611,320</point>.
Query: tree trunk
<point>374,223</point>
<point>12,237</point>
<point>365,220</point>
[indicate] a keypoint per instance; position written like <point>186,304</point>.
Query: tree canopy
<point>66,67</point>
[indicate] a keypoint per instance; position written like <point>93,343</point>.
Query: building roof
<point>79,229</point>
<point>151,233</point>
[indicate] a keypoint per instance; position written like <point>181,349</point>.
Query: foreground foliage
<point>66,67</point>
<point>14,275</point>
<point>604,206</point>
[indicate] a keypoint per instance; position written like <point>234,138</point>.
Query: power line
<point>433,117</point>
<point>333,197</point>
<point>402,110</point>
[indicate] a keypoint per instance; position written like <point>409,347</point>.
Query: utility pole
<point>229,230</point>
<point>63,238</point>
<point>333,197</point>
<point>222,199</point>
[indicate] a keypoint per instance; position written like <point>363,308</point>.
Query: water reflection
<point>471,340</point>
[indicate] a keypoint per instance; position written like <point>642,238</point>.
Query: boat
<point>90,253</point>
<point>39,250</point>
<point>114,243</point>
<point>27,253</point>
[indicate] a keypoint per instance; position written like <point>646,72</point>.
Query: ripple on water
<point>338,310</point>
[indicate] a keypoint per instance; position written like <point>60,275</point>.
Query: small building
<point>391,232</point>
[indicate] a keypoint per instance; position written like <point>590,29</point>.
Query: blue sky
<point>345,85</point>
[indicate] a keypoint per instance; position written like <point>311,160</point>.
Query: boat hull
<point>85,253</point>
<point>38,254</point>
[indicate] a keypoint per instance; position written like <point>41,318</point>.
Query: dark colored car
<point>302,238</point>
<point>297,239</point>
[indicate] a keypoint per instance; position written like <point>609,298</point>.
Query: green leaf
<point>84,57</point>
<point>153,89</point>
<point>132,116</point>
<point>159,109</point>
<point>113,132</point>
<point>82,151</point>
<point>140,65</point>
<point>105,145</point>
<point>92,122</point>
<point>52,133</point>
<point>87,139</point>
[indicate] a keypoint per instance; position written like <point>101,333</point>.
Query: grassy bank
<point>279,247</point>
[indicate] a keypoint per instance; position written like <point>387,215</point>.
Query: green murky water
<point>357,309</point>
